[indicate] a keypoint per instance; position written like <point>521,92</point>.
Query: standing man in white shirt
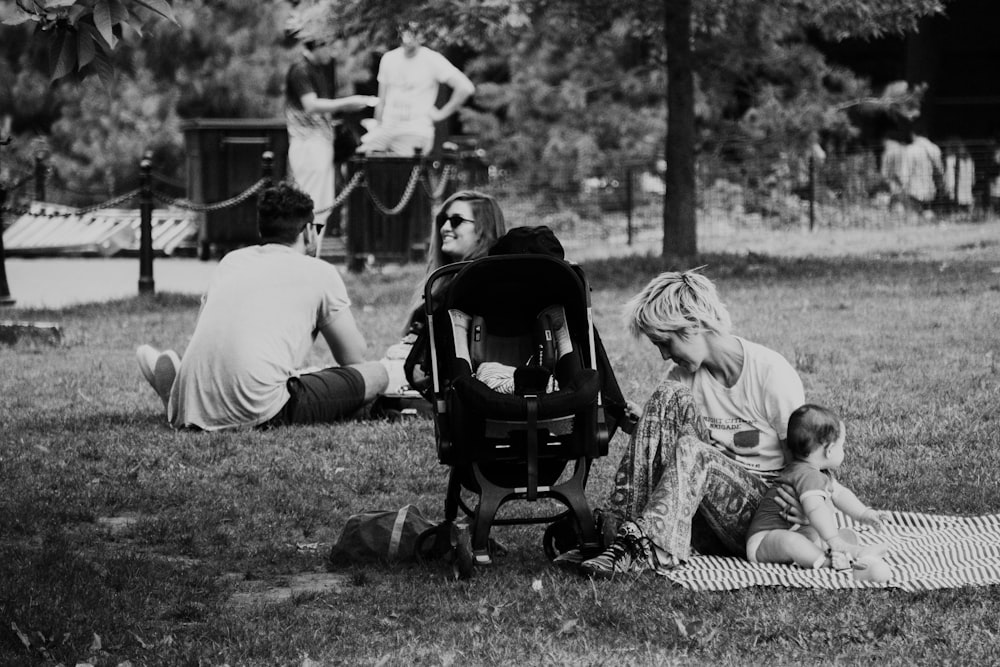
<point>408,80</point>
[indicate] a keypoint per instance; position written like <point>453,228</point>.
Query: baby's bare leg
<point>786,546</point>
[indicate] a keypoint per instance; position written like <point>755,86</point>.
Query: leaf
<point>103,67</point>
<point>86,48</point>
<point>59,4</point>
<point>569,627</point>
<point>62,53</point>
<point>104,23</point>
<point>95,644</point>
<point>20,635</point>
<point>118,12</point>
<point>142,642</point>
<point>161,7</point>
<point>76,12</point>
<point>17,16</point>
<point>689,629</point>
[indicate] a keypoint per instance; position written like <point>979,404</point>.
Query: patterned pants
<point>671,480</point>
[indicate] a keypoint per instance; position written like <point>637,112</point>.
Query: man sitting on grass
<point>258,320</point>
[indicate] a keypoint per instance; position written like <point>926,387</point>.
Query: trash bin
<point>224,158</point>
<point>471,171</point>
<point>401,237</point>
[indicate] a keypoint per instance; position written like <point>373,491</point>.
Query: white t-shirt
<point>747,420</point>
<point>412,88</point>
<point>259,318</point>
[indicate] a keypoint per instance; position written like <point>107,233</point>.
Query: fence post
<point>267,168</point>
<point>628,204</point>
<point>41,171</point>
<point>146,284</point>
<point>954,179</point>
<point>812,191</point>
<point>357,232</point>
<point>5,299</point>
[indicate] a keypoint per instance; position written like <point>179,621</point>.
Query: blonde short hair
<point>677,302</point>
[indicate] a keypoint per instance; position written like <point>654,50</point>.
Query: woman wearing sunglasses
<point>465,227</point>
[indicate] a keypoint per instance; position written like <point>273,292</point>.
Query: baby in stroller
<point>520,386</point>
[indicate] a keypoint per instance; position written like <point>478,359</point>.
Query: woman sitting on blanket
<point>711,437</point>
<point>466,225</point>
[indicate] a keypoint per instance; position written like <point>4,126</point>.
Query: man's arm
<point>346,341</point>
<point>312,103</point>
<point>383,89</point>
<point>461,90</point>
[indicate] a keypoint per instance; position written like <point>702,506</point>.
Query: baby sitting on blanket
<point>816,440</point>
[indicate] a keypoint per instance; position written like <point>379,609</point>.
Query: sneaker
<point>159,369</point>
<point>570,560</point>
<point>631,552</point>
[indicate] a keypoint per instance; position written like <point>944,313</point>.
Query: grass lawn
<point>123,542</point>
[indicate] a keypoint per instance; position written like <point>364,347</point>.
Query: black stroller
<point>504,445</point>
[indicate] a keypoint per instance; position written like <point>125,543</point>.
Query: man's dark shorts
<point>323,397</point>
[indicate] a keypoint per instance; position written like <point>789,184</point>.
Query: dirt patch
<point>117,525</point>
<point>254,593</point>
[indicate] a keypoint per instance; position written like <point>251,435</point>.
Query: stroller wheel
<point>560,537</point>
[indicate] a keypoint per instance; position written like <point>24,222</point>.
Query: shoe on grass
<point>570,560</point>
<point>159,369</point>
<point>630,552</point>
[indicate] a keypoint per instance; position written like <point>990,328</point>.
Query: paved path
<point>59,282</point>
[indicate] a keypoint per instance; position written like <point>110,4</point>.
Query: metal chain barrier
<point>411,187</point>
<point>206,208</point>
<point>173,201</point>
<point>435,192</point>
<point>356,180</point>
<point>111,203</point>
<point>16,210</point>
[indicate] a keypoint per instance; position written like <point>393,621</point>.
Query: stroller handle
<point>438,274</point>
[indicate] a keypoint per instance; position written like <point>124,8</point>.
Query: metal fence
<point>774,192</point>
<point>743,190</point>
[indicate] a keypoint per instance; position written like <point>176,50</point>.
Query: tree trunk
<point>679,219</point>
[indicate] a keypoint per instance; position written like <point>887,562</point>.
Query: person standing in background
<point>408,80</point>
<point>311,112</point>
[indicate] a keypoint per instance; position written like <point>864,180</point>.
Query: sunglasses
<point>454,220</point>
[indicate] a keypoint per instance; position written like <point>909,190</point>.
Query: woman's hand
<point>633,413</point>
<point>791,508</point>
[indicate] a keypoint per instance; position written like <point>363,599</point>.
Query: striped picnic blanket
<point>927,551</point>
